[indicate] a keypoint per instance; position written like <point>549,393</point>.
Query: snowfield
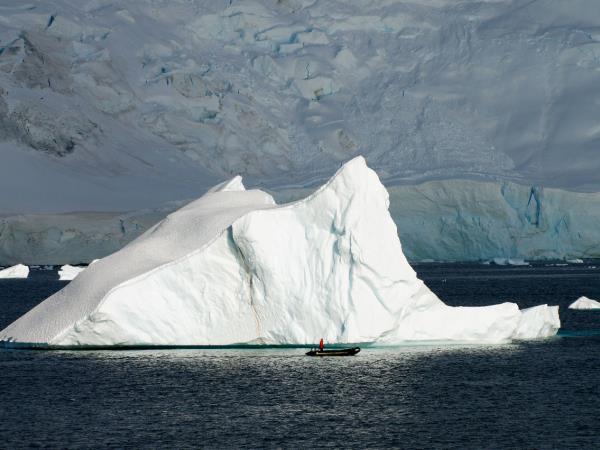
<point>233,267</point>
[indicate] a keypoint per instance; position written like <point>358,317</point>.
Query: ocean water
<point>541,394</point>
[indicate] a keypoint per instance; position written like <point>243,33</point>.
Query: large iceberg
<point>18,271</point>
<point>233,267</point>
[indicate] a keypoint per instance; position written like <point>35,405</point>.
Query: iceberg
<point>585,303</point>
<point>68,272</point>
<point>575,261</point>
<point>509,262</point>
<point>18,271</point>
<point>234,268</point>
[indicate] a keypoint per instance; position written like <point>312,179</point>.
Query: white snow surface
<point>18,271</point>
<point>235,268</point>
<point>585,303</point>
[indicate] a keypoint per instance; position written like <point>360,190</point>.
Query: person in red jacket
<point>321,345</point>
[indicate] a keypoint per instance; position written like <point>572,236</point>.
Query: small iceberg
<point>585,303</point>
<point>510,262</point>
<point>18,271</point>
<point>68,272</point>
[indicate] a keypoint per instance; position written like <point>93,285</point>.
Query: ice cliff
<point>235,268</point>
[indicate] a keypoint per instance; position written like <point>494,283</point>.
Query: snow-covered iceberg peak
<point>235,184</point>
<point>233,268</point>
<point>18,271</point>
<point>585,303</point>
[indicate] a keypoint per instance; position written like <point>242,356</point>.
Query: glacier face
<point>469,221</point>
<point>113,104</point>
<point>235,268</point>
<point>450,220</point>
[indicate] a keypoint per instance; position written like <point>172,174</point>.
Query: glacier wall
<point>451,220</point>
<point>469,221</point>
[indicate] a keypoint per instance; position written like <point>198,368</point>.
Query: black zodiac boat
<point>334,352</point>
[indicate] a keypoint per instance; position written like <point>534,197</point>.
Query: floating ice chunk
<point>585,303</point>
<point>68,272</point>
<point>234,268</point>
<point>510,262</point>
<point>517,262</point>
<point>18,271</point>
<point>575,261</point>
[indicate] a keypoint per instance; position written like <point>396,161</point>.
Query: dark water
<point>543,394</point>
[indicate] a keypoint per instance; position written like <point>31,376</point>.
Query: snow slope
<point>111,104</point>
<point>18,271</point>
<point>233,267</point>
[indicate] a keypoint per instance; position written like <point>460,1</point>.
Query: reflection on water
<point>463,396</point>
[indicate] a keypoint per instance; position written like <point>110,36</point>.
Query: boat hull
<point>335,352</point>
